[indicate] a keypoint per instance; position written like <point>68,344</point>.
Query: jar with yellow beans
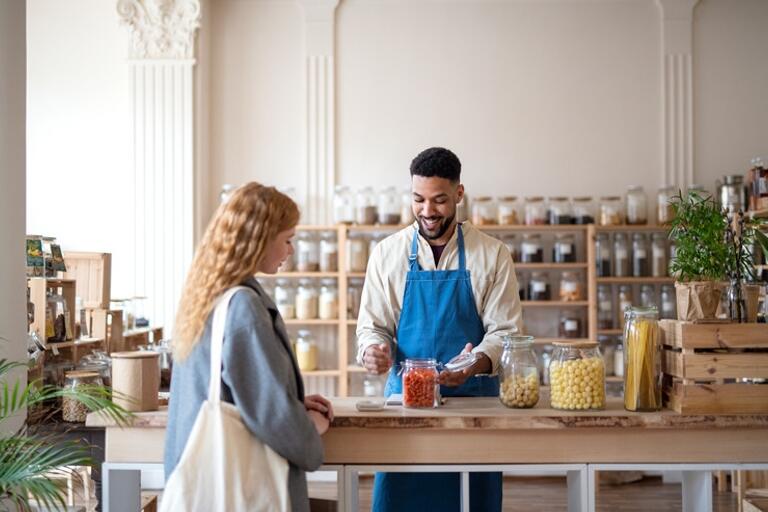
<point>577,376</point>
<point>519,372</point>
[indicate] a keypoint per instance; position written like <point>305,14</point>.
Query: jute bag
<point>223,466</point>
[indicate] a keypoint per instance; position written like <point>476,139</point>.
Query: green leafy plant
<point>742,235</point>
<point>27,461</point>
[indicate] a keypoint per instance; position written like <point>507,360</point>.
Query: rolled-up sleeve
<point>376,320</point>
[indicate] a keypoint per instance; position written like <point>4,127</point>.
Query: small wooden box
<point>92,271</point>
<point>701,362</point>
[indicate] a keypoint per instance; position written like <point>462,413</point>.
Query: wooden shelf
<point>353,368</point>
<point>551,266</point>
<point>355,274</point>
<point>610,332</point>
<point>631,228</point>
<point>554,304</point>
<point>539,228</point>
<point>74,343</point>
<point>614,378</point>
<point>313,321</point>
<point>635,280</point>
<point>321,373</point>
<point>317,275</point>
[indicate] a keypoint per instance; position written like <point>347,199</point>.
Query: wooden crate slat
<point>717,398</point>
<point>711,365</point>
<point>716,335</point>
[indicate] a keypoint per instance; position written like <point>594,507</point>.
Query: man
<point>436,289</point>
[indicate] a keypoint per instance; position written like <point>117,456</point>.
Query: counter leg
<point>593,485</point>
<point>351,493</point>
<point>464,491</point>
<point>578,492</point>
<point>120,490</point>
<point>697,491</point>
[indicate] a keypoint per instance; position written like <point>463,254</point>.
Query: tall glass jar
<point>642,360</point>
<point>564,249</point>
<point>605,315</point>
<point>640,265</point>
<point>637,207</point>
<point>366,212</point>
<point>484,211</point>
<point>329,253</point>
<point>608,348</point>
<point>668,302</point>
<point>570,287</point>
<point>535,211</point>
<point>420,386</point>
<point>647,296</point>
<point>621,267</point>
<point>329,300</point>
<point>659,261</point>
<point>406,207</point>
<point>577,376</point>
<point>560,211</point>
<point>624,301</point>
<point>538,286</point>
<point>510,242</point>
<point>73,410</point>
<point>583,210</point>
<point>306,300</point>
<point>343,205</point>
<point>354,294</point>
<point>285,299</point>
<point>603,255</point>
<point>611,211</point>
<point>531,250</point>
<point>664,211</point>
<point>389,206</point>
<point>519,373</point>
<point>306,351</point>
<point>357,252</point>
<point>307,252</point>
<point>509,211</point>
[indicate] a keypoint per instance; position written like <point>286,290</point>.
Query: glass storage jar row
<point>389,206</point>
<point>307,301</point>
<point>638,257</point>
<point>537,287</point>
<point>529,248</point>
<point>610,312</point>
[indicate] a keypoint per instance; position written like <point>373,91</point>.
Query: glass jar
<point>343,205</point>
<point>389,206</point>
<point>624,301</point>
<point>659,263</point>
<point>538,286</point>
<point>519,387</point>
<point>569,326</point>
<point>366,212</point>
<point>329,253</point>
<point>618,358</point>
<point>603,254</point>
<point>640,265</point>
<point>535,211</point>
<point>73,410</point>
<point>608,348</point>
<point>647,296</point>
<point>357,253</point>
<point>637,208</point>
<point>354,294</point>
<point>577,376</point>
<point>570,287</point>
<point>664,210</point>
<point>611,211</point>
<point>668,302</point>
<point>531,250</point>
<point>420,387</point>
<point>564,249</point>
<point>583,210</point>
<point>510,242</point>
<point>97,362</point>
<point>509,211</point>
<point>329,300</point>
<point>560,211</point>
<point>546,358</point>
<point>35,256</point>
<point>306,351</point>
<point>484,211</point>
<point>406,207</point>
<point>307,252</point>
<point>605,315</point>
<point>306,300</point>
<point>285,299</point>
<point>621,266</point>
<point>642,360</point>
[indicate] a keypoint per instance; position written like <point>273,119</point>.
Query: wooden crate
<point>38,288</point>
<point>92,272</point>
<point>702,360</point>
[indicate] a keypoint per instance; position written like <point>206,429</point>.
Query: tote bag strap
<point>217,340</point>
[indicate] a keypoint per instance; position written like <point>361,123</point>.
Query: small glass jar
<point>306,351</point>
<point>307,252</point>
<point>420,387</point>
<point>668,302</point>
<point>611,211</point>
<point>618,358</point>
<point>285,299</point>
<point>577,376</point>
<point>624,301</point>
<point>329,253</point>
<point>664,210</point>
<point>603,255</point>
<point>560,211</point>
<point>583,210</point>
<point>531,250</point>
<point>564,249</point>
<point>510,212</point>
<point>642,360</point>
<point>73,410</point>
<point>647,296</point>
<point>354,294</point>
<point>640,262</point>
<point>389,206</point>
<point>538,286</point>
<point>306,300</point>
<point>535,211</point>
<point>98,362</point>
<point>366,212</point>
<point>519,386</point>
<point>569,326</point>
<point>605,314</point>
<point>637,207</point>
<point>570,287</point>
<point>357,253</point>
<point>659,262</point>
<point>406,207</point>
<point>621,266</point>
<point>484,211</point>
<point>329,300</point>
<point>343,205</point>
<point>608,349</point>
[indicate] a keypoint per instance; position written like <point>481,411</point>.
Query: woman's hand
<point>320,421</point>
<point>320,404</point>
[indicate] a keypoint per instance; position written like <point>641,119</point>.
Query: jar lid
<point>534,199</point>
<point>461,361</point>
<point>558,198</point>
<point>81,374</point>
<point>639,311</point>
<point>482,199</point>
<point>421,362</point>
<point>575,344</point>
<point>516,340</point>
<point>610,198</point>
<point>138,354</point>
<point>582,199</point>
<point>508,198</point>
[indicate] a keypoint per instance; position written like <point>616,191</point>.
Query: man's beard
<point>441,230</point>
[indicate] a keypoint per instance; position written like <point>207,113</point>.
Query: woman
<point>250,233</point>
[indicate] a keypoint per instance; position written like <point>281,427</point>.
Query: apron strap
<point>462,257</point>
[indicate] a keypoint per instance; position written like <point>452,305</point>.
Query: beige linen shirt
<point>492,274</point>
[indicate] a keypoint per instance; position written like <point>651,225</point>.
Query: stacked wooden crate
<point>704,364</point>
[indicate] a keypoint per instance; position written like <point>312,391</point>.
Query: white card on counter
<point>369,405</point>
<point>395,399</point>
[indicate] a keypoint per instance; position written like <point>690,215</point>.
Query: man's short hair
<point>437,162</point>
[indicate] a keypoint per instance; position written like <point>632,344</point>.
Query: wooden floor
<point>548,494</point>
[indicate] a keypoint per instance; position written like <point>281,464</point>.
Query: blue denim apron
<point>439,317</point>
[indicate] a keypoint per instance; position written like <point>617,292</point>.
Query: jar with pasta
<point>531,249</point>
<point>664,210</point>
<point>621,263</point>
<point>329,253</point>
<point>611,211</point>
<point>420,386</point>
<point>642,360</point>
<point>72,409</point>
<point>406,207</point>
<point>509,211</point>
<point>538,286</point>
<point>389,206</point>
<point>366,211</point>
<point>570,287</point>
<point>637,209</point>
<point>519,373</point>
<point>307,252</point>
<point>484,211</point>
<point>583,210</point>
<point>285,299</point>
<point>535,211</point>
<point>577,376</point>
<point>603,255</point>
<point>357,252</point>
<point>559,209</point>
<point>659,261</point>
<point>343,205</point>
<point>564,248</point>
<point>306,351</point>
<point>329,300</point>
<point>306,300</point>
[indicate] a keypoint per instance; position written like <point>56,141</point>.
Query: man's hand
<point>455,379</point>
<point>377,358</point>
<point>320,404</point>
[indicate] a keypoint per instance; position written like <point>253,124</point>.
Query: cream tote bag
<point>223,466</point>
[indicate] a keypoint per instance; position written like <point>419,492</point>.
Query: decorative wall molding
<point>161,29</point>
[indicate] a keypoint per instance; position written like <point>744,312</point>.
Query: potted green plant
<point>743,235</point>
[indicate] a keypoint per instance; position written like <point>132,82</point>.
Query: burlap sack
<point>698,300</point>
